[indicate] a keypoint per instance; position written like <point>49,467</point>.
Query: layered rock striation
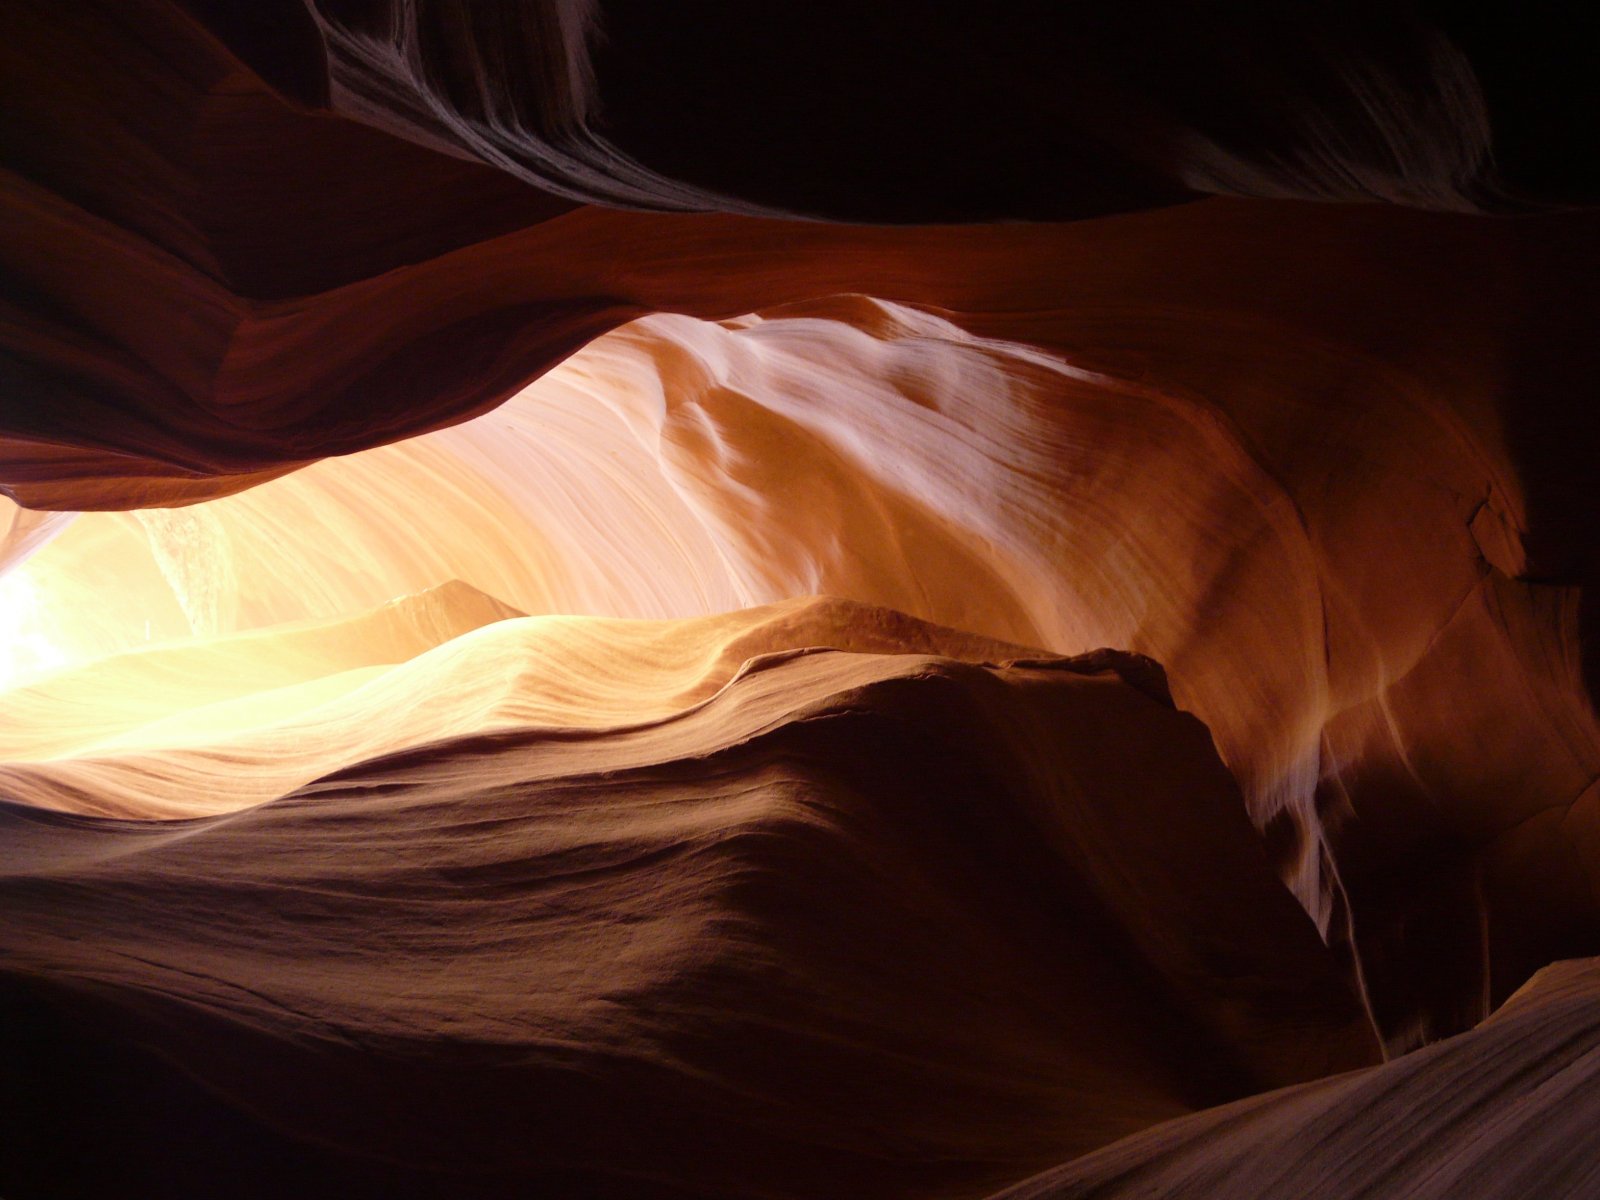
<point>1206,335</point>
<point>674,954</point>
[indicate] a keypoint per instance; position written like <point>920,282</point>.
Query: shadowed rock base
<point>1501,1113</point>
<point>855,922</point>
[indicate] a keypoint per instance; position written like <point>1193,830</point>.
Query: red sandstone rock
<point>1332,465</point>
<point>855,921</point>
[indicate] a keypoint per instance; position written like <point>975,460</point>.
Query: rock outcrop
<point>1498,1113</point>
<point>859,918</point>
<point>1256,343</point>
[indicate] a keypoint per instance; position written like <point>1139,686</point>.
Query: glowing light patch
<point>26,651</point>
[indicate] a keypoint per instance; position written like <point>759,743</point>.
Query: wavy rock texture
<point>1499,1112</point>
<point>1319,103</point>
<point>691,921</point>
<point>1331,464</point>
<point>206,292</point>
<point>193,686</point>
<point>215,725</point>
<point>1424,710</point>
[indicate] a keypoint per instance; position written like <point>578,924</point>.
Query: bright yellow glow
<point>216,724</point>
<point>673,469</point>
<point>26,651</point>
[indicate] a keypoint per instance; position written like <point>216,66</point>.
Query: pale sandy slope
<point>112,699</point>
<point>216,724</point>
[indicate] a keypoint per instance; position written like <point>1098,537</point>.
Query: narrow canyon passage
<point>562,634</point>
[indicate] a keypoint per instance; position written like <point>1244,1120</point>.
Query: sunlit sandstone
<point>543,643</point>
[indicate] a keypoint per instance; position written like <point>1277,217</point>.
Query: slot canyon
<point>630,600</point>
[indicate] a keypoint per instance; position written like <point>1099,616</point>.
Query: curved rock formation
<point>219,724</point>
<point>589,956</point>
<point>603,102</point>
<point>1497,1113</point>
<point>1324,605</point>
<point>306,306</point>
<point>229,268</point>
